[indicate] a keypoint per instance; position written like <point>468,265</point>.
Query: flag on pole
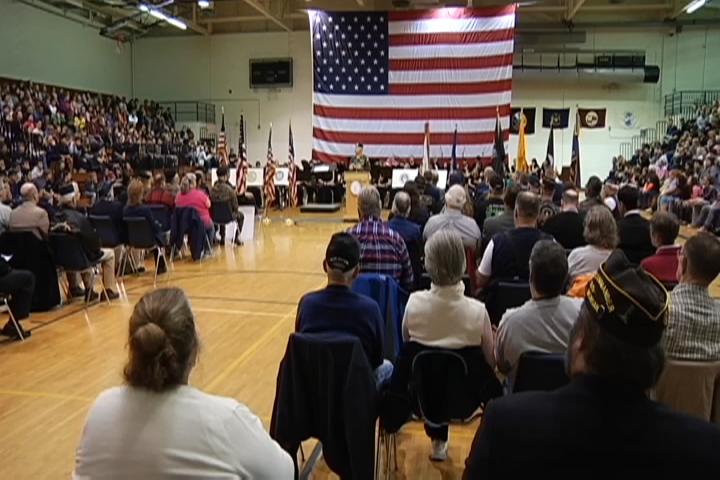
<point>293,170</point>
<point>453,154</point>
<point>242,168</point>
<point>522,163</point>
<point>379,75</point>
<point>575,155</point>
<point>222,142</point>
<point>426,149</point>
<point>269,173</point>
<point>499,150</point>
<point>550,153</point>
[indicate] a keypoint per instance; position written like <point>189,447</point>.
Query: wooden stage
<point>245,300</point>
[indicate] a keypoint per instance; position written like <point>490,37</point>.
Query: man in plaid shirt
<point>382,250</point>
<point>693,331</point>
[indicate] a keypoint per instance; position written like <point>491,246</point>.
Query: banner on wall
<point>592,117</point>
<point>515,120</point>
<point>556,117</point>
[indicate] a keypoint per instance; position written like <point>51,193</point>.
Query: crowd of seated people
<point>67,155</point>
<point>681,172</point>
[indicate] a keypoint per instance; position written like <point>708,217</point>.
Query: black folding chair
<point>5,307</point>
<point>142,237</point>
<point>162,214</point>
<point>540,371</point>
<point>505,295</point>
<point>222,214</point>
<point>70,258</point>
<point>109,237</point>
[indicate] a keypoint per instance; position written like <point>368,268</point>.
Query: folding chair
<point>221,214</point>
<point>109,237</point>
<point>162,214</point>
<point>5,307</point>
<point>70,257</point>
<point>142,237</point>
<point>540,371</point>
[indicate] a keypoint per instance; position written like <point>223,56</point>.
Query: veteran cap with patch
<point>629,303</point>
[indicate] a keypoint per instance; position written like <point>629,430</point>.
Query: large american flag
<point>380,76</point>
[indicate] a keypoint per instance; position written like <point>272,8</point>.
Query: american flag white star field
<point>379,76</point>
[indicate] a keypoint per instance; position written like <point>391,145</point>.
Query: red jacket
<point>663,265</point>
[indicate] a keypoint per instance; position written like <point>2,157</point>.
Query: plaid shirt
<point>693,331</point>
<point>383,251</point>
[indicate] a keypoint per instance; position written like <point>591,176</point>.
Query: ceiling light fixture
<point>203,4</point>
<point>694,6</point>
<point>160,15</point>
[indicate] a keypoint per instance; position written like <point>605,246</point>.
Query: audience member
<point>5,209</point>
<point>223,191</point>
<point>136,209</point>
<point>70,220</point>
<point>693,331</point>
<point>444,317</point>
<point>28,216</point>
<point>593,195</point>
<point>504,221</point>
<point>664,229</point>
<point>193,197</point>
<point>107,206</point>
<point>600,233</point>
<point>20,286</point>
<point>507,255</point>
<point>433,192</point>
<point>409,231</point>
<point>615,355</point>
<point>418,213</point>
<point>567,226</point>
<point>176,430</point>
<point>159,194</point>
<point>337,309</point>
<point>492,205</point>
<point>633,229</point>
<point>548,209</point>
<point>452,218</point>
<point>543,323</point>
<point>382,250</point>
<point>172,183</point>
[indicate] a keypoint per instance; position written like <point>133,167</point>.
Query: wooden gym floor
<point>245,301</point>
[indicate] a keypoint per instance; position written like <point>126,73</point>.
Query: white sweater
<point>444,317</point>
<point>183,433</point>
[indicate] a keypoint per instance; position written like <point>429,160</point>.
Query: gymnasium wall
<point>209,68</point>
<point>43,47</point>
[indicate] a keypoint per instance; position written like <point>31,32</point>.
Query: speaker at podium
<point>355,181</point>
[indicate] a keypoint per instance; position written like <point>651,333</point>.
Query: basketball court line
<point>55,396</point>
<point>269,334</point>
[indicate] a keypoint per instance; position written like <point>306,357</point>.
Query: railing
<point>191,111</point>
<point>646,136</point>
<point>685,103</point>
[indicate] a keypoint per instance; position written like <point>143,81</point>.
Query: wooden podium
<point>355,181</point>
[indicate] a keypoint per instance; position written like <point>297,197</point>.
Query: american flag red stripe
<point>452,38</point>
<point>451,63</point>
<point>460,113</point>
<point>379,76</point>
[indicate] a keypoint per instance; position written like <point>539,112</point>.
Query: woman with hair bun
<point>158,426</point>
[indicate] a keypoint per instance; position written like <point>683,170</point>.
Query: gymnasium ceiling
<point>121,19</point>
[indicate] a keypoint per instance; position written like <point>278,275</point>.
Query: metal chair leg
<point>13,320</point>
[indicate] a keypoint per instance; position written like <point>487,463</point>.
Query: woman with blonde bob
<point>601,234</point>
<point>157,425</point>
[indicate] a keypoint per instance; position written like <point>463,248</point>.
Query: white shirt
<point>610,203</point>
<point>587,259</point>
<point>539,326</point>
<point>444,317</point>
<point>183,433</point>
<point>5,212</point>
